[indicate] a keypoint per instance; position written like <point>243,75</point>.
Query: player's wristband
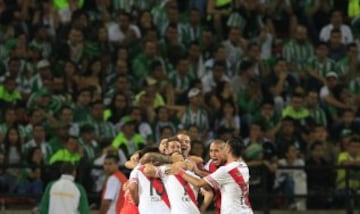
<point>181,172</point>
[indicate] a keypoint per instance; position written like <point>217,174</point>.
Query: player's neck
<point>231,159</point>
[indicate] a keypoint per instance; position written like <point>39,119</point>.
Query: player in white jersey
<point>149,192</point>
<point>216,154</point>
<point>182,195</point>
<point>232,180</point>
<point>217,159</point>
<point>112,196</point>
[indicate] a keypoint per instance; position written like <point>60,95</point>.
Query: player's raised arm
<point>199,182</point>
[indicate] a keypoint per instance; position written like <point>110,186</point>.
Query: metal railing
<point>265,196</point>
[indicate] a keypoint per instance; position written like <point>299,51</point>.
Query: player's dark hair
<point>113,157</point>
<point>147,150</point>
<point>67,168</point>
<point>236,145</point>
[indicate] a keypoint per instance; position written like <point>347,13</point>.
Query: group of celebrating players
<point>168,179</point>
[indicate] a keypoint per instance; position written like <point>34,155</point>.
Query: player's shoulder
<point>113,180</point>
<point>207,165</point>
<point>137,168</point>
<point>235,164</point>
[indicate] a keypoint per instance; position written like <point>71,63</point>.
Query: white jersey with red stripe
<point>207,165</point>
<point>111,193</point>
<point>180,200</point>
<point>150,201</point>
<point>233,182</point>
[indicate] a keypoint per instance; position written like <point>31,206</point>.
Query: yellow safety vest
<point>221,3</point>
<point>62,4</point>
<point>353,8</point>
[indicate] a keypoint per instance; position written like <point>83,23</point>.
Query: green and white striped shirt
<point>125,5</point>
<point>354,86</point>
<point>297,53</point>
<point>180,83</point>
<point>191,34</point>
<point>4,128</point>
<point>319,116</point>
<point>321,67</point>
<point>103,129</point>
<point>236,20</point>
<point>159,16</point>
<point>46,149</point>
<point>199,118</point>
<point>44,48</point>
<point>342,67</point>
<point>91,149</point>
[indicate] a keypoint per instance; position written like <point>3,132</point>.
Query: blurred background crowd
<point>81,77</point>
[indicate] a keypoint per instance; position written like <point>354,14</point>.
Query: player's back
<point>151,193</point>
<point>236,187</point>
<point>182,196</point>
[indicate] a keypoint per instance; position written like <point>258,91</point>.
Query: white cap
<point>331,74</point>
<point>193,92</point>
<point>43,64</point>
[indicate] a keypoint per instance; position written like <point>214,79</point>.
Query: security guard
<point>64,195</point>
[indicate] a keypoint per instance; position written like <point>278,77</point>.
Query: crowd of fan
<point>80,78</point>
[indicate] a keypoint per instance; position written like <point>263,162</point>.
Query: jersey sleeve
<point>134,175</point>
<point>112,189</point>
<point>206,167</point>
<point>217,178</point>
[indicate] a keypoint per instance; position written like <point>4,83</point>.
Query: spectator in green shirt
<point>82,106</point>
<point>128,139</point>
<point>68,154</point>
<point>150,94</point>
<point>104,130</point>
<point>267,118</point>
<point>350,157</point>
<point>87,141</point>
<point>58,141</point>
<point>296,109</point>
<point>8,92</point>
<point>141,64</point>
